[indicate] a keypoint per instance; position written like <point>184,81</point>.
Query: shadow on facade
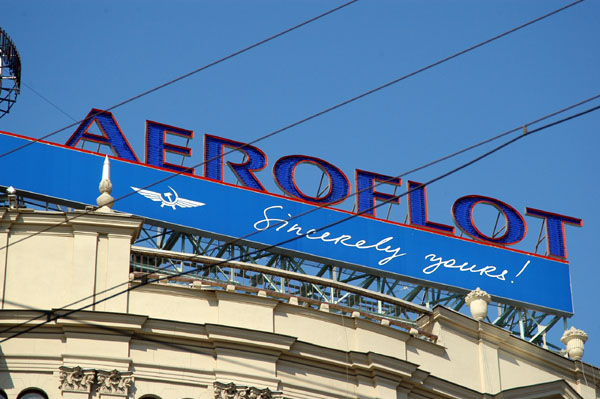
<point>5,379</point>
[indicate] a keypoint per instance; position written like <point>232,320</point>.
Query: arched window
<point>150,396</point>
<point>32,393</point>
<point>3,394</point>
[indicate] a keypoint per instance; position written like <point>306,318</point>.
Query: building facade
<point>79,321</point>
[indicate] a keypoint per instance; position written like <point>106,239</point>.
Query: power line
<point>358,97</point>
<point>444,175</point>
<point>424,166</point>
<point>315,115</point>
<point>468,148</point>
<point>49,102</point>
<point>306,119</point>
<point>351,194</point>
<point>319,113</point>
<point>45,313</point>
<point>195,71</point>
<point>319,206</point>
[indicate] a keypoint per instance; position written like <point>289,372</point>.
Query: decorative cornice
<point>114,382</point>
<point>76,379</point>
<point>268,340</point>
<point>232,391</point>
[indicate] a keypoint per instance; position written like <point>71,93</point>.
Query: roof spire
<point>105,200</point>
<point>106,169</point>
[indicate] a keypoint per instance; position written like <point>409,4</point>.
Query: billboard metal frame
<point>527,323</point>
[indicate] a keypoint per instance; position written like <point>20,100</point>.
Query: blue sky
<point>84,55</point>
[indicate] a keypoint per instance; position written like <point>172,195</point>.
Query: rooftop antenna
<point>10,73</point>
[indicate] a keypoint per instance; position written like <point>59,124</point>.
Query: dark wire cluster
<point>65,312</point>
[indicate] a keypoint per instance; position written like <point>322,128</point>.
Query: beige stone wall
<point>177,341</point>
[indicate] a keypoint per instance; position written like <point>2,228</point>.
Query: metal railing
<point>204,272</point>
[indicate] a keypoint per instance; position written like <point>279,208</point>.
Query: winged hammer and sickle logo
<point>173,199</point>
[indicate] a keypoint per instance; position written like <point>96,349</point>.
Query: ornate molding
<point>114,382</point>
<point>573,333</point>
<point>232,391</point>
<point>477,293</point>
<point>76,379</point>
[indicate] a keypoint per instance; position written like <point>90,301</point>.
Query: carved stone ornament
<point>114,382</point>
<point>574,339</point>
<point>477,293</point>
<point>232,391</point>
<point>76,379</point>
<point>478,300</point>
<point>573,332</point>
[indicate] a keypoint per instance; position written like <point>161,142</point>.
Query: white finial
<point>574,339</point>
<point>477,300</point>
<point>105,200</point>
<point>106,169</point>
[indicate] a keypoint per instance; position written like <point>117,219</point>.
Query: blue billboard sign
<point>416,252</point>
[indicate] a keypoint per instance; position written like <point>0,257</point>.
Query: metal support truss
<point>530,325</point>
<point>10,73</point>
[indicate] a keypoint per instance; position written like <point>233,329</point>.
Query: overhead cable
<point>40,95</point>
<point>235,240</point>
<point>312,231</point>
<point>320,113</point>
<point>424,166</point>
<point>317,207</point>
<point>349,195</point>
<point>195,71</point>
<point>315,115</point>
